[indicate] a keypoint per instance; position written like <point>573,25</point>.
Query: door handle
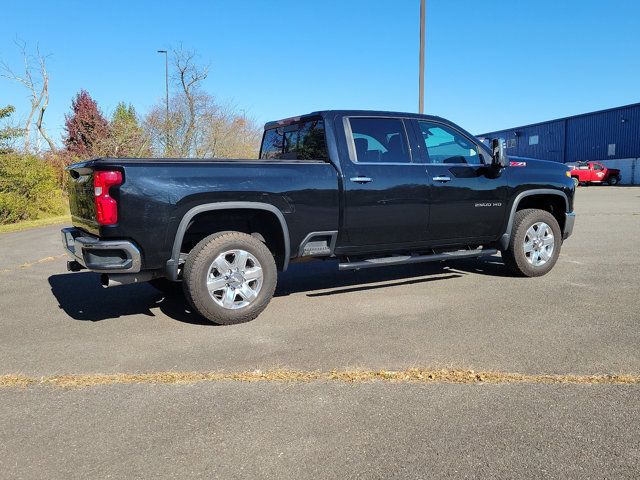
<point>441,179</point>
<point>361,179</point>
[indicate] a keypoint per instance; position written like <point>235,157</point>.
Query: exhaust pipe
<point>116,279</point>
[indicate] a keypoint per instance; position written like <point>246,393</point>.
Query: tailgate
<point>81,198</point>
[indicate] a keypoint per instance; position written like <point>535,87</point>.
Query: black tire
<point>515,258</point>
<point>576,182</point>
<point>613,181</point>
<point>196,272</point>
<point>166,286</point>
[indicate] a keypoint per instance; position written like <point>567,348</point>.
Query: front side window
<point>379,140</point>
<point>597,166</point>
<point>301,141</point>
<point>445,145</point>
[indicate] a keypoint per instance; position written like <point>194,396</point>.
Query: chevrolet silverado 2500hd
<point>368,188</point>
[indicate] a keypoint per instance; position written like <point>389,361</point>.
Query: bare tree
<point>228,134</point>
<point>35,79</point>
<point>44,103</point>
<point>189,75</point>
<point>198,126</point>
<point>220,131</point>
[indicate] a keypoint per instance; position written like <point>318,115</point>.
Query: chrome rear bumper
<point>105,256</point>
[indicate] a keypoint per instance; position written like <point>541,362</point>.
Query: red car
<point>593,172</point>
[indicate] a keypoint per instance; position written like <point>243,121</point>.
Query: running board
<point>407,259</point>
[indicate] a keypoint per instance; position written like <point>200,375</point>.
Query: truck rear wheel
<point>535,243</point>
<point>229,277</point>
<point>613,181</point>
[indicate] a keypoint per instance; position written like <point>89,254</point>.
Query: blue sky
<point>489,64</point>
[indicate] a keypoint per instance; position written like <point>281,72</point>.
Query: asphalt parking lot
<point>583,318</point>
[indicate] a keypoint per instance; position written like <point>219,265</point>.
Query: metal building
<point>611,136</point>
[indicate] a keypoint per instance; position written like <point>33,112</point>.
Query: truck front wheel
<point>535,243</point>
<point>229,277</point>
<point>576,182</point>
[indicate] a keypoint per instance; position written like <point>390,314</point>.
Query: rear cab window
<point>303,140</point>
<point>379,140</point>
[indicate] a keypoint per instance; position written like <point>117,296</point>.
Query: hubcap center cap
<point>236,279</point>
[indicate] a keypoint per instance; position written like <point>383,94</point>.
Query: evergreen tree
<point>8,133</point>
<point>126,136</point>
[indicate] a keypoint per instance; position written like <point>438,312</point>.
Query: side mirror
<point>498,157</point>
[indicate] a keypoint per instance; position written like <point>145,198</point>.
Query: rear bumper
<point>569,221</point>
<point>106,256</point>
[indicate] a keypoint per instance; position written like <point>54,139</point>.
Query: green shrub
<point>28,189</point>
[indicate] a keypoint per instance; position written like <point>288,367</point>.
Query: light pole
<point>166,82</point>
<point>421,62</point>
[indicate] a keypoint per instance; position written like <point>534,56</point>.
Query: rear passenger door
<point>467,193</point>
<point>385,192</point>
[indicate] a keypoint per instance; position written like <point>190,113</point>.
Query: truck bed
<point>156,194</point>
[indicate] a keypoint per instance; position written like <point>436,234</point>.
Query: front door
<point>597,173</point>
<point>467,194</point>
<point>386,194</point>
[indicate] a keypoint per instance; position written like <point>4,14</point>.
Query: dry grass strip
<point>411,375</point>
<point>33,263</point>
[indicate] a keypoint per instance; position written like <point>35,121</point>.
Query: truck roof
<point>333,113</point>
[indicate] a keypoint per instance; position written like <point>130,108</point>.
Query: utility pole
<point>166,82</point>
<point>421,62</point>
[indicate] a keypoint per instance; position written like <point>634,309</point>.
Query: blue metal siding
<point>583,137</point>
<point>550,144</point>
<point>550,141</point>
<point>589,136</point>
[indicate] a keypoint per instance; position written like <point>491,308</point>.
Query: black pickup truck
<point>368,188</point>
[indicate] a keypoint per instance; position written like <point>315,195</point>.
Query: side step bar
<point>407,259</point>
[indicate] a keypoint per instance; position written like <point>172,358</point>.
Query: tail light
<point>106,206</point>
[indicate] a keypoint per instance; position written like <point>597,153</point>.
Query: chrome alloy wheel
<point>538,244</point>
<point>235,278</point>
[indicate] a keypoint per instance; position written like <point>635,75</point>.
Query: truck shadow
<point>312,276</point>
<point>82,297</point>
<point>491,266</point>
<point>308,277</point>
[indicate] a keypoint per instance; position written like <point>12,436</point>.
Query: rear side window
<point>445,145</point>
<point>272,143</point>
<point>300,141</point>
<point>379,140</point>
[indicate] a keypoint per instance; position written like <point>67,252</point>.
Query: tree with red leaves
<point>86,128</point>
